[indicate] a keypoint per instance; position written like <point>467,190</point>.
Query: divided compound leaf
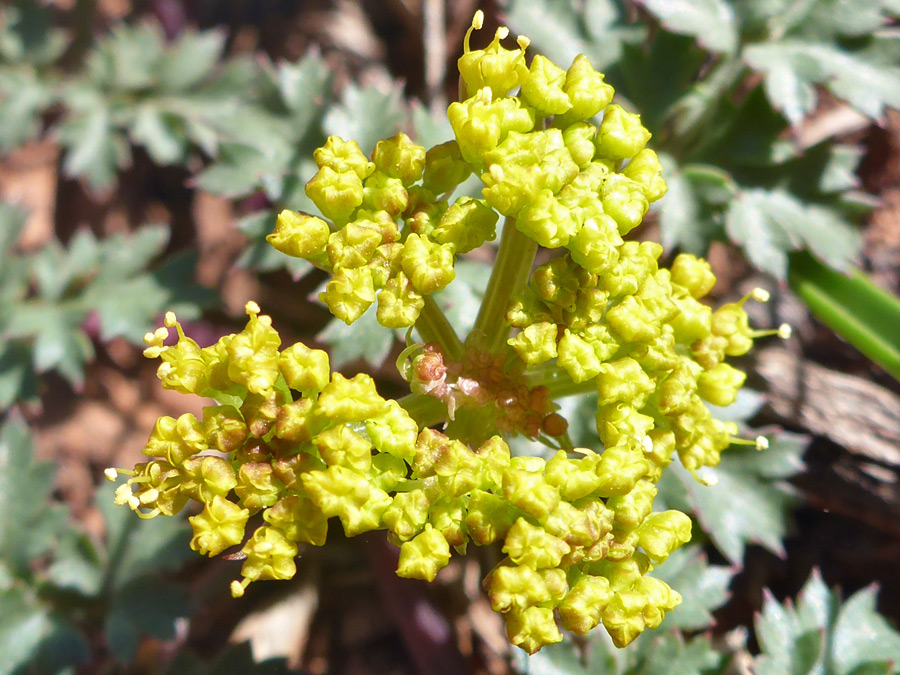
<point>819,634</point>
<point>23,624</point>
<point>95,150</point>
<point>712,22</point>
<point>190,60</point>
<point>29,528</point>
<point>770,224</point>
<point>863,639</point>
<point>792,67</point>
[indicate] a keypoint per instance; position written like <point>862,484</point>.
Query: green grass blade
<point>852,306</point>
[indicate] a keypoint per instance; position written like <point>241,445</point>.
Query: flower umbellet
<point>305,447</point>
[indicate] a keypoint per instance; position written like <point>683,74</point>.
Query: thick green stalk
<point>853,307</point>
<point>434,327</point>
<point>511,269</point>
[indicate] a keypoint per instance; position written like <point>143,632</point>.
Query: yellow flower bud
<point>466,225</point>
<point>515,588</point>
<point>407,514</point>
<point>352,246</point>
<point>224,428</point>
<point>547,221</point>
<point>400,158</point>
<point>253,353</point>
<point>625,202</point>
<point>623,617</point>
<point>342,492</point>
<point>527,490</point>
<point>720,385</point>
<point>577,357</point>
<point>575,478</point>
<point>582,608</point>
<point>595,246</point>
<point>631,509</point>
<point>427,264</point>
<point>343,157</point>
<point>645,169</point>
<point>444,168</point>
<point>219,526</point>
<point>619,470</point>
<point>662,533</point>
<point>305,370</point>
<point>337,195</point>
<point>393,431</point>
<point>339,446</point>
<point>351,400</point>
<point>206,476</point>
<point>586,90</point>
<point>660,599</point>
<point>270,555</point>
<point>383,193</point>
<point>532,628</point>
<point>349,293</point>
<point>489,517</point>
<point>623,380</point>
<point>526,544</point>
<point>298,519</point>
<point>543,90</point>
<point>299,235</point>
<point>579,140</point>
<point>257,485</point>
<point>399,303</point>
<point>176,440</point>
<point>424,556</point>
<point>693,274</point>
<point>621,134</point>
<point>536,344</point>
<point>481,122</point>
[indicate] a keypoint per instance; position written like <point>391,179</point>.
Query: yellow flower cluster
<point>299,445</point>
<point>654,352</point>
<point>363,247</point>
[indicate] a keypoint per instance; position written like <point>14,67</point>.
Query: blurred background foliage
<point>146,144</point>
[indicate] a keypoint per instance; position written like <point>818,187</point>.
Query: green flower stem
<point>434,327</point>
<point>511,269</point>
<point>425,410</point>
<point>560,385</point>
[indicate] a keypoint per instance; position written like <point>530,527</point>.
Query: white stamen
<point>760,294</point>
<point>707,477</point>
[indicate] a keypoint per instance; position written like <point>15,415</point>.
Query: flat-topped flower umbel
<point>300,445</point>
